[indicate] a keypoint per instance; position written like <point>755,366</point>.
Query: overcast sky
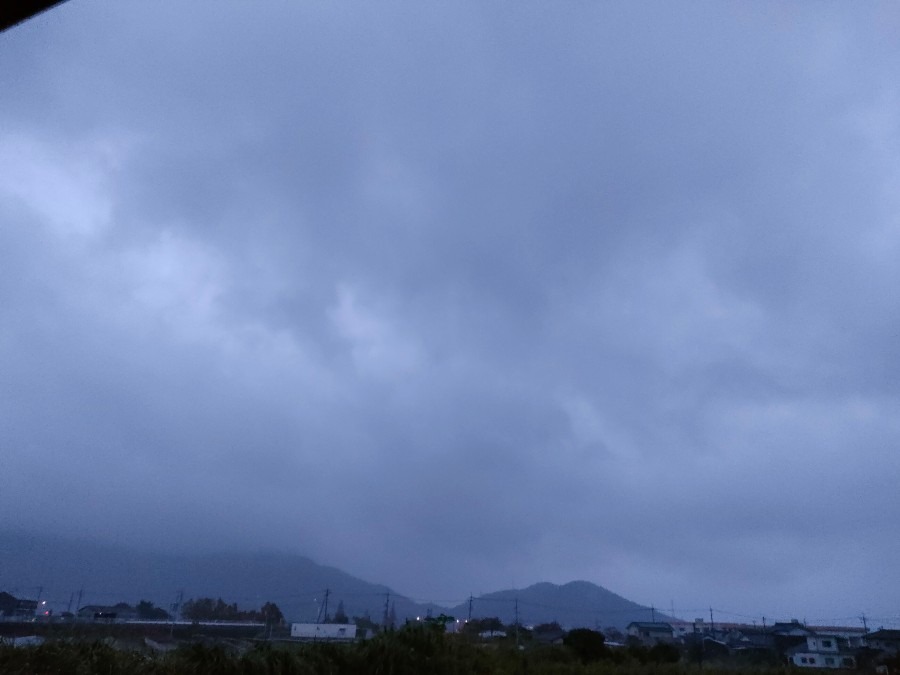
<point>463,296</point>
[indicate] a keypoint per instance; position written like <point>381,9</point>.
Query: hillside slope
<point>577,603</point>
<point>60,569</point>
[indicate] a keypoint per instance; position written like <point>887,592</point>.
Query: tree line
<point>411,650</point>
<point>207,609</point>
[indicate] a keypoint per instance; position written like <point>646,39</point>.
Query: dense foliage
<point>588,645</point>
<point>148,611</point>
<point>413,650</point>
<point>207,609</point>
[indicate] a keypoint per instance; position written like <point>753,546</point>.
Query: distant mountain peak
<point>107,573</point>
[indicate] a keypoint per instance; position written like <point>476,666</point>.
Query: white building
<point>821,651</point>
<point>323,631</point>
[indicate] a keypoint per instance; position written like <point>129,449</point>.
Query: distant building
<point>8,604</point>
<point>491,634</point>
<point>792,628</point>
<point>323,631</point>
<point>821,651</point>
<point>851,637</point>
<point>11,606</point>
<point>885,640</point>
<point>649,632</point>
<point>786,635</point>
<point>109,614</point>
<point>682,629</point>
<point>554,636</point>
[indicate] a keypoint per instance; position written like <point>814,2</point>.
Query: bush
<point>588,645</point>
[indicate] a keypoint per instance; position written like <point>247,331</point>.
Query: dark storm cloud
<point>457,298</point>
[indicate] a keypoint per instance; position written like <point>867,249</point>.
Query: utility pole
<point>712,623</point>
<point>71,600</point>
<point>78,604</point>
<point>179,597</point>
<point>470,607</point>
<point>764,623</point>
<point>865,625</point>
<point>38,601</point>
<point>652,614</point>
<point>387,605</point>
<point>517,623</point>
<point>323,610</point>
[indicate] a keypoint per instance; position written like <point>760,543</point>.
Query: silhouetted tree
<point>476,626</point>
<point>271,614</point>
<point>614,634</point>
<point>340,616</point>
<point>207,609</point>
<point>664,653</point>
<point>365,622</point>
<point>149,612</point>
<point>392,617</point>
<point>197,610</point>
<point>491,623</point>
<point>589,645</point>
<point>439,622</point>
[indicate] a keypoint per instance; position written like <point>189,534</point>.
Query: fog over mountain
<point>68,573</point>
<point>462,296</point>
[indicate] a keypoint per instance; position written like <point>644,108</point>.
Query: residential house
<point>554,636</point>
<point>7,604</point>
<point>682,629</point>
<point>787,635</point>
<point>851,637</point>
<point>722,631</point>
<point>649,633</point>
<point>885,640</point>
<point>12,606</point>
<point>821,651</point>
<point>792,628</point>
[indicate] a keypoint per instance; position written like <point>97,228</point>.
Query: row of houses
<point>13,607</point>
<point>796,643</point>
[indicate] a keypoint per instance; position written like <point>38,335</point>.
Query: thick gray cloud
<point>463,297</point>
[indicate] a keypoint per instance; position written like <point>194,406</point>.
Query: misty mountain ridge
<point>61,569</point>
<point>577,603</point>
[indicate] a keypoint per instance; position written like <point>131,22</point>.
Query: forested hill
<point>59,569</point>
<point>578,603</point>
<point>109,574</point>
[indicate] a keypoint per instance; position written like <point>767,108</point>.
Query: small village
<point>793,644</point>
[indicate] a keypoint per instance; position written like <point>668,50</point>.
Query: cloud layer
<point>463,297</point>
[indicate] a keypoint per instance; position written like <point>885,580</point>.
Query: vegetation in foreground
<point>413,650</point>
